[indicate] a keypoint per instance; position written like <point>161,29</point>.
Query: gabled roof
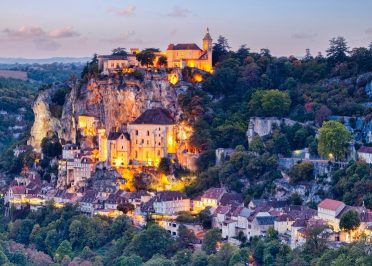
<point>231,199</point>
<point>169,196</point>
<point>330,204</point>
<point>265,220</point>
<point>116,135</point>
<point>183,46</point>
<point>155,116</point>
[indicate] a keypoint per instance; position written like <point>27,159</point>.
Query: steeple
<point>207,36</point>
<point>207,41</point>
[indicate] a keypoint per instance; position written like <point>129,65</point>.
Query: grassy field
<point>13,74</point>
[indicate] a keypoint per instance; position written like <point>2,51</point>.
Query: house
<point>365,153</point>
<point>15,194</point>
<point>329,210</point>
<point>170,203</point>
<point>86,203</point>
<point>259,223</point>
<point>172,227</point>
<point>116,63</point>
<point>118,149</point>
<point>210,198</point>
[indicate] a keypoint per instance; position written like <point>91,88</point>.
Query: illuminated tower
<point>207,47</point>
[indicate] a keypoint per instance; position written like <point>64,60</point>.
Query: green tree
<point>185,237</point>
<point>165,166</point>
<point>350,221</point>
<point>147,57</point>
<point>159,261</point>
<point>276,103</point>
<point>211,238</point>
<point>150,241</point>
<point>119,51</point>
<point>338,50</point>
<point>64,249</point>
<point>257,145</point>
<point>303,171</point>
<point>163,61</point>
<point>333,140</point>
<point>132,260</point>
<point>182,257</point>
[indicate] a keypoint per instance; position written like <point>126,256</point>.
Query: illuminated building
<point>118,149</point>
<point>191,55</point>
<point>87,125</point>
<point>152,137</point>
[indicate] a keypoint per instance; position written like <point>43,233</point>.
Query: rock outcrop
<point>113,101</point>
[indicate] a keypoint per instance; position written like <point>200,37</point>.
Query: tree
<point>165,165</point>
<point>163,61</point>
<point>125,207</point>
<point>338,50</point>
<point>182,257</point>
<point>119,51</point>
<point>303,171</point>
<point>158,261</point>
<point>333,140</point>
<point>257,145</point>
<point>322,114</point>
<point>281,145</point>
<point>211,238</point>
<point>295,199</point>
<point>51,147</point>
<point>350,221</point>
<point>205,218</point>
<point>150,241</point>
<point>64,249</point>
<point>147,56</point>
<point>132,260</point>
<point>220,49</point>
<point>185,237</point>
<point>270,103</point>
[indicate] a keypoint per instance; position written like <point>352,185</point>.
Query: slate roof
<point>231,199</point>
<point>184,46</point>
<point>155,116</point>
<point>265,220</point>
<point>116,135</point>
<point>169,196</point>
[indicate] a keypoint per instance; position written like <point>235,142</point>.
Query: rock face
<point>114,102</point>
<point>44,123</point>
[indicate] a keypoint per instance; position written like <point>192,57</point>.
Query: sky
<point>78,28</point>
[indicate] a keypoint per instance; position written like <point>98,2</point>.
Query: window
<point>148,133</point>
<point>136,132</point>
<point>136,154</point>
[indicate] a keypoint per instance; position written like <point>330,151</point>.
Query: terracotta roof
<point>330,204</point>
<point>156,116</point>
<point>365,149</point>
<point>231,199</point>
<point>184,46</point>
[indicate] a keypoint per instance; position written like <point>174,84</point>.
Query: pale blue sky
<point>44,28</point>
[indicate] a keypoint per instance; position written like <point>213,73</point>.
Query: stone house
<point>365,153</point>
<point>170,203</point>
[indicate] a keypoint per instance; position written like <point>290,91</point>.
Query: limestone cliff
<point>113,101</point>
<point>44,123</point>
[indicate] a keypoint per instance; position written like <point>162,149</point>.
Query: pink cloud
<point>124,12</point>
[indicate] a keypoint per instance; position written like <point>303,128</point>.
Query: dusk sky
<point>46,28</point>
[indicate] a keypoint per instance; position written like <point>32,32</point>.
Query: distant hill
<point>4,60</point>
<point>22,75</point>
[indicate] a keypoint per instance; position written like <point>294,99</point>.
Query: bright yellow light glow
<point>198,77</point>
<point>173,78</point>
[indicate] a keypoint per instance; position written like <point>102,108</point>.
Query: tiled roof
<point>156,116</point>
<point>365,149</point>
<point>213,193</point>
<point>265,220</point>
<point>231,199</point>
<point>330,204</point>
<point>184,46</point>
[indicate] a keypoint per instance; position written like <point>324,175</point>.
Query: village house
<point>210,198</point>
<point>116,63</point>
<point>365,154</point>
<point>170,203</point>
<point>86,203</point>
<point>172,227</point>
<point>329,210</point>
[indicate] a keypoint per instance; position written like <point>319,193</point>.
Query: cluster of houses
<point>229,214</point>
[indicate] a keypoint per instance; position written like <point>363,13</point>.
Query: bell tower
<point>207,48</point>
<point>207,41</point>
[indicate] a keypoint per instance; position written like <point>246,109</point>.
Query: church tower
<point>207,47</point>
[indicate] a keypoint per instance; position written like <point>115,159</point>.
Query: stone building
<point>149,138</point>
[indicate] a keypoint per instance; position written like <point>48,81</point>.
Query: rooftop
<point>184,46</point>
<point>330,204</point>
<point>156,116</point>
<point>213,193</point>
<point>365,149</point>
